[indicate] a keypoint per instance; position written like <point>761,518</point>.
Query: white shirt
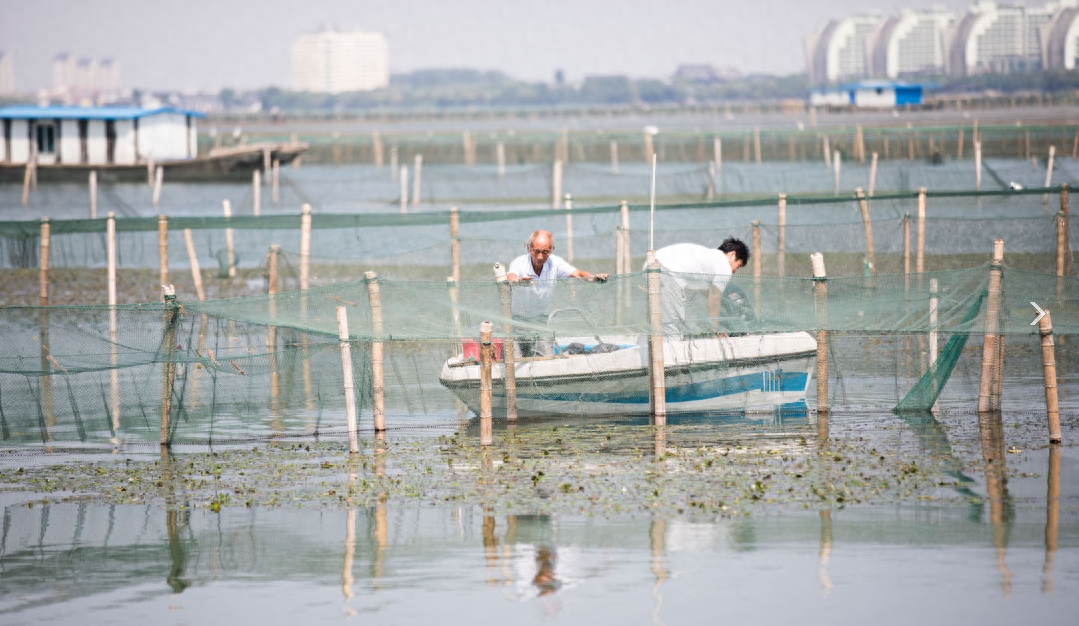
<point>533,298</point>
<point>696,267</point>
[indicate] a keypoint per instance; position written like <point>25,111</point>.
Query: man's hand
<point>602,278</point>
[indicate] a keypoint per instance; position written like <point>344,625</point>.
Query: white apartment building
<point>912,43</point>
<point>1061,40</point>
<point>999,38</point>
<point>333,61</point>
<point>841,50</point>
<point>75,79</point>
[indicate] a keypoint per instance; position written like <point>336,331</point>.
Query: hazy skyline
<point>203,45</point>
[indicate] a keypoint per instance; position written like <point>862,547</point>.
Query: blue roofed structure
<point>869,94</point>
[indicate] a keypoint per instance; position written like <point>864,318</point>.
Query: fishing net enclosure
<point>252,349</point>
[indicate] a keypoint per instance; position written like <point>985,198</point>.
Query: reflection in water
<point>1052,516</point>
<point>825,551</point>
<point>657,534</point>
<point>1001,508</point>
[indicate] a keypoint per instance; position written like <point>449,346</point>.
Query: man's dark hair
<point>741,252</point>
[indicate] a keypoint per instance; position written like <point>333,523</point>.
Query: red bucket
<point>470,349</point>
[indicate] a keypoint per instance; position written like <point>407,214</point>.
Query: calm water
<point>990,551</point>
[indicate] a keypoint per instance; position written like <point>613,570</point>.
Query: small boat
<point>608,376</point>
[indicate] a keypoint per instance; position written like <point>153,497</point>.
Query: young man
<point>533,276</point>
<point>691,271</point>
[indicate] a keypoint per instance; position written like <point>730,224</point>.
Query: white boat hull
<point>702,375</point>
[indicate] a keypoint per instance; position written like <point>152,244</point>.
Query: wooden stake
<point>757,266</point>
<point>933,334</point>
<point>860,143</point>
<point>820,292</point>
<point>305,245</point>
<point>500,157</point>
<point>827,152</point>
<point>919,258</point>
<point>614,157</point>
<point>26,182</point>
<point>168,367</point>
<point>657,396</point>
<point>906,250</point>
<point>376,148</point>
<point>711,193</point>
<point>163,249</point>
<point>1049,174</point>
<point>230,249</point>
<point>959,146</point>
<point>873,175</point>
<point>196,273</point>
<point>455,245</point>
<point>757,144</point>
<point>346,373</point>
<point>417,165</point>
<point>870,256</point>
<point>256,192</point>
<point>486,357</point>
<point>977,166</point>
<point>159,177</point>
<point>1049,368</point>
<point>378,384</point>
<point>649,148</point>
<point>1064,192</point>
<point>990,348</point>
<point>569,227</point>
<point>837,161</point>
<point>150,170</point>
<point>110,253</point>
<point>556,184</point>
<point>404,188</point>
<point>508,356</point>
<point>717,158</point>
<point>43,262</point>
<point>781,237</point>
<point>274,189</point>
<point>393,163</point>
<point>93,194</point>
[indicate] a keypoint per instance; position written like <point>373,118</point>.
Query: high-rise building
<point>999,38</point>
<point>912,43</point>
<point>7,73</point>
<point>333,61</point>
<point>84,79</point>
<point>1062,40</point>
<point>841,50</point>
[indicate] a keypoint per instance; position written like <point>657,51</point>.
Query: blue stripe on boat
<point>769,381</point>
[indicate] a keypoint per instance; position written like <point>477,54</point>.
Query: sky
<point>206,45</point>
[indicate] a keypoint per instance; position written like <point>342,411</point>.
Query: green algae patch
<point>592,470</point>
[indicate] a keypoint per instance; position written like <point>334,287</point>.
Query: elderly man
<point>533,276</point>
<point>691,271</point>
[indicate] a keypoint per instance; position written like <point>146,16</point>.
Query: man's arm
<point>588,276</point>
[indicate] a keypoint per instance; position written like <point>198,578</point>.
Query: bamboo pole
<point>872,175</point>
<point>500,158</point>
<point>305,246</point>
<point>820,292</point>
<point>168,367</point>
<point>455,245</point>
<point>393,163</point>
<point>43,262</point>
<point>417,165</point>
<point>196,273</point>
<point>977,166</point>
<point>110,253</point>
<point>271,330</point>
<point>404,188</point>
<point>376,149</point>
<point>906,251</point>
<point>466,139</point>
<point>870,255</point>
<point>827,152</point>
<point>959,146</point>
<point>26,178</point>
<point>781,237</point>
<point>757,145</point>
<point>150,169</point>
<point>1049,174</point>
<point>275,188</point>
<point>919,258</point>
<point>569,227</point>
<point>757,267</point>
<point>657,396</point>
<point>486,357</point>
<point>717,158</point>
<point>933,333</point>
<point>230,248</point>
<point>649,148</point>
<point>256,193</point>
<point>93,194</point>
<point>346,374</point>
<point>556,184</point>
<point>508,356</point>
<point>837,161</point>
<point>378,384</point>
<point>990,347</point>
<point>614,156</point>
<point>711,194</point>
<point>163,249</point>
<point>1064,193</point>
<point>159,177</point>
<point>1049,369</point>
<point>860,143</point>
